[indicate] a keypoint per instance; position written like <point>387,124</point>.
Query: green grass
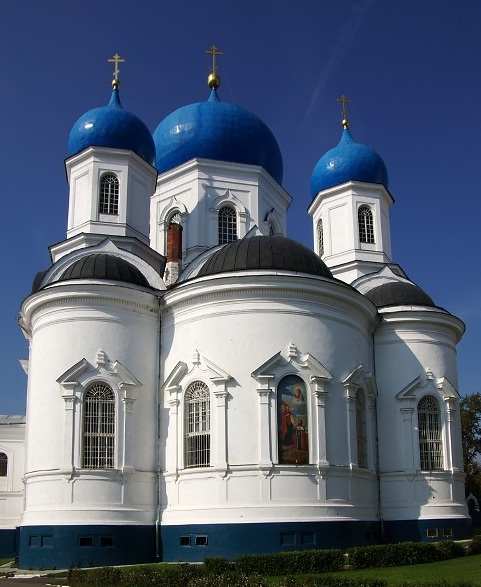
<point>5,561</point>
<point>457,570</point>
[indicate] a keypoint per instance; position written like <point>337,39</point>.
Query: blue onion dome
<point>349,161</point>
<point>112,126</point>
<point>216,130</point>
<point>269,253</point>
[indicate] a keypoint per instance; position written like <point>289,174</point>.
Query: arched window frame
<point>197,425</point>
<point>366,224</point>
<point>361,429</point>
<point>3,464</point>
<point>99,427</point>
<point>320,237</point>
<point>227,231</point>
<point>174,217</point>
<point>430,434</point>
<point>109,191</point>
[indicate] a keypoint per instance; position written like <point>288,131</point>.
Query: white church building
<point>199,384</point>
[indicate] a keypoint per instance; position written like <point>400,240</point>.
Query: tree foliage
<point>471,433</point>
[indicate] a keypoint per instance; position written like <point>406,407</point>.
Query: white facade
<point>256,404</point>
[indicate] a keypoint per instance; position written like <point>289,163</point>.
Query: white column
<point>408,428</point>
<point>220,443</point>
<point>351,425</point>
<point>320,430</point>
<point>265,457</point>
<point>127,449</point>
<point>70,400</point>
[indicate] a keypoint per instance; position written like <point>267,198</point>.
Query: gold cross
<point>345,101</point>
<point>214,51</point>
<point>116,59</point>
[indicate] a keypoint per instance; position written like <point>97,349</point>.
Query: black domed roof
<point>399,293</point>
<point>104,266</point>
<point>263,252</point>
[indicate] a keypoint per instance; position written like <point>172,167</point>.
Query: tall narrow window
<point>366,224</point>
<point>197,425</point>
<point>3,464</point>
<point>361,429</point>
<point>320,237</point>
<point>99,427</point>
<point>227,225</point>
<point>292,423</point>
<point>430,434</point>
<point>109,194</point>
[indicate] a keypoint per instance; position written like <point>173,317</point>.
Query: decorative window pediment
<point>78,376</point>
<point>200,368</point>
<point>428,383</point>
<point>359,379</point>
<point>301,363</point>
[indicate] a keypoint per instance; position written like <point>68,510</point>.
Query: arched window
<point>197,425</point>
<point>292,423</point>
<point>99,427</point>
<point>109,194</point>
<point>361,429</point>
<point>430,434</point>
<point>3,464</point>
<point>227,225</point>
<point>174,218</point>
<point>320,237</point>
<point>366,224</point>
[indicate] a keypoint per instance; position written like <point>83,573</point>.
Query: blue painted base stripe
<point>62,547</point>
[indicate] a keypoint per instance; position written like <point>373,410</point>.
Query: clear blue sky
<point>411,68</point>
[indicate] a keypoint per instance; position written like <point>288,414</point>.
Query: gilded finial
<point>116,59</point>
<point>345,101</point>
<point>213,80</point>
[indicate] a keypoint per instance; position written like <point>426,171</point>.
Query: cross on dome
<point>345,101</point>
<point>116,59</point>
<point>213,80</point>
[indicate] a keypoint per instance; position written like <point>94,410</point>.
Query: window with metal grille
<point>320,237</point>
<point>174,217</point>
<point>3,464</point>
<point>109,194</point>
<point>99,427</point>
<point>227,225</point>
<point>366,224</point>
<point>197,425</point>
<point>430,434</point>
<point>361,429</point>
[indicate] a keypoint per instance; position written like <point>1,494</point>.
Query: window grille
<point>227,225</point>
<point>174,217</point>
<point>109,194</point>
<point>320,238</point>
<point>3,464</point>
<point>99,427</point>
<point>361,429</point>
<point>430,435</point>
<point>366,224</point>
<point>197,425</point>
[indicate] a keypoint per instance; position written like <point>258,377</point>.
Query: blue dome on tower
<point>348,161</point>
<point>216,130</point>
<point>112,126</point>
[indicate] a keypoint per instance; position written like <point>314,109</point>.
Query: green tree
<point>471,431</point>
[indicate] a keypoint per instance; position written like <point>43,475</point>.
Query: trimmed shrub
<point>164,576</point>
<point>323,581</point>
<point>217,565</point>
<point>405,553</point>
<point>291,563</point>
<point>475,546</point>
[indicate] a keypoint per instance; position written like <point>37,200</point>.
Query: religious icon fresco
<point>292,421</point>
